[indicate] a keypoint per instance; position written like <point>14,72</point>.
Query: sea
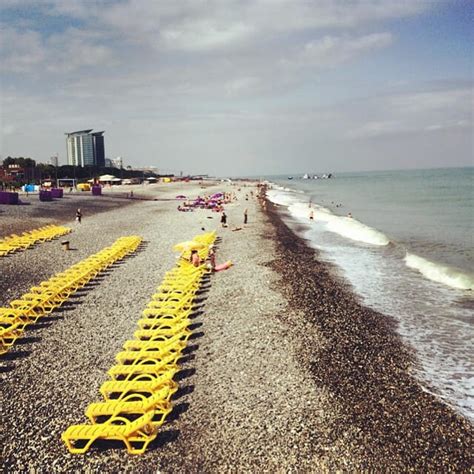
<point>408,252</point>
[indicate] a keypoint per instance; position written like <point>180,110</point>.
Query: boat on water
<point>315,176</point>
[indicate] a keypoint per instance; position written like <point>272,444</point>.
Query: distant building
<point>85,148</point>
<point>118,162</point>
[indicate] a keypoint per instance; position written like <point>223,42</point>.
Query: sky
<point>241,87</point>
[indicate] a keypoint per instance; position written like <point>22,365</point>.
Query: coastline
<point>367,369</point>
<point>269,381</point>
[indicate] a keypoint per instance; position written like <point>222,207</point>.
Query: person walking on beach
<point>224,219</point>
<point>78,215</point>
<point>246,216</point>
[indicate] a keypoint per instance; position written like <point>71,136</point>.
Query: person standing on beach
<point>78,215</point>
<point>246,216</point>
<point>212,257</point>
<point>311,215</point>
<point>224,219</point>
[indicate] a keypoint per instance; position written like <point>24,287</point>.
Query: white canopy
<point>108,177</point>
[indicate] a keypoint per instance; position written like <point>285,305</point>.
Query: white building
<point>85,148</point>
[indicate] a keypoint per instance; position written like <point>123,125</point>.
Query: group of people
<point>224,218</point>
<point>195,259</point>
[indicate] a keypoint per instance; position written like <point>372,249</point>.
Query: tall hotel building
<point>85,148</point>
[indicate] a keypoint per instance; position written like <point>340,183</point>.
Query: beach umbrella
<point>188,246</point>
<point>217,195</point>
<point>180,196</point>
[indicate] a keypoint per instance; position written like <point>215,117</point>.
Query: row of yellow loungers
<point>137,396</point>
<point>14,243</point>
<point>50,294</point>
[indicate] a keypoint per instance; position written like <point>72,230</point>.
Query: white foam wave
<point>281,197</point>
<point>449,276</point>
<point>347,227</point>
<point>353,229</point>
<point>283,188</point>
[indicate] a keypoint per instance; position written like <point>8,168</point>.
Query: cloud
<point>76,49</point>
<point>27,51</point>
<point>208,25</point>
<point>429,111</point>
<point>205,35</point>
<point>20,51</point>
<point>331,51</point>
<point>172,79</point>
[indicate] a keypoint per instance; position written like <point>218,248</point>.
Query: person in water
<point>349,215</point>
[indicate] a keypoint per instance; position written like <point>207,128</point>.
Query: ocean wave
<point>353,229</point>
<point>281,197</point>
<point>347,227</point>
<point>449,276</point>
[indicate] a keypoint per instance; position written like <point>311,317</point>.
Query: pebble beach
<point>286,370</point>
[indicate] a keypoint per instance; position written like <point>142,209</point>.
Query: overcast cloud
<point>241,87</point>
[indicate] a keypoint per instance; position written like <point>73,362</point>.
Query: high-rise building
<point>85,148</point>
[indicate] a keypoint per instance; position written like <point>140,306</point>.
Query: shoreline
<point>269,378</point>
<point>367,368</point>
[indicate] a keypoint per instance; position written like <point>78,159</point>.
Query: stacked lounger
<point>137,396</point>
<point>14,243</point>
<point>51,294</point>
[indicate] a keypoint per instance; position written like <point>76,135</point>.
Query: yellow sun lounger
<point>134,404</point>
<point>155,312</point>
<point>130,356</point>
<point>175,348</point>
<point>169,329</point>
<point>133,371</point>
<point>136,435</point>
<point>13,316</point>
<point>146,383</point>
<point>151,334</point>
<point>8,335</point>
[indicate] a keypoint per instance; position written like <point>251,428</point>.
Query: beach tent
<point>109,178</point>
